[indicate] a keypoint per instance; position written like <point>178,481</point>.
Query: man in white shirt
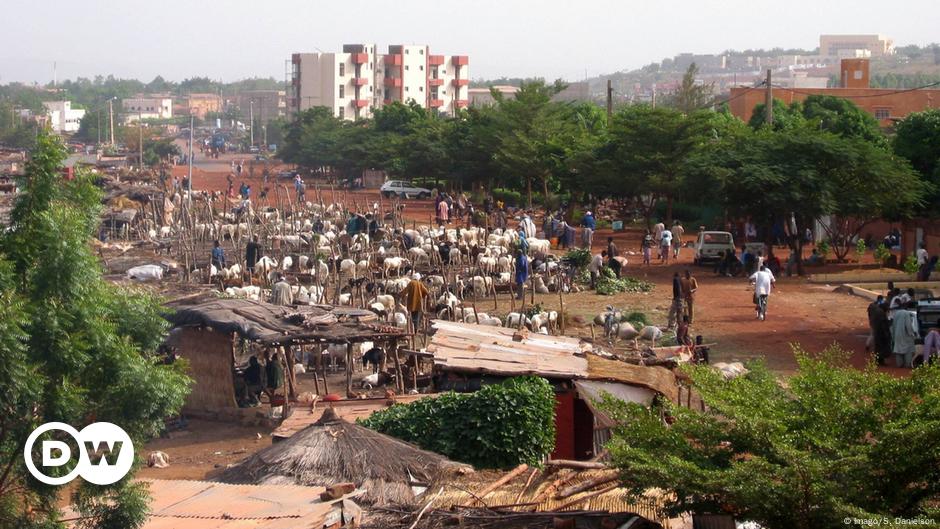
<point>922,255</point>
<point>527,226</point>
<point>595,266</point>
<point>665,245</point>
<point>763,281</point>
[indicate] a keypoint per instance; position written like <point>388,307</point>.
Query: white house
<point>62,117</point>
<point>147,108</point>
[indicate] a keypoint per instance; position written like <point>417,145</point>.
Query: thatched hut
<point>332,451</point>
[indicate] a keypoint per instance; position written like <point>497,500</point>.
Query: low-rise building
<point>62,117</point>
<point>199,105</point>
<point>147,108</point>
<point>877,45</point>
<point>480,97</point>
<point>886,105</point>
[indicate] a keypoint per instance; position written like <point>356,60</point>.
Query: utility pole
<point>251,122</point>
<point>99,128</point>
<point>189,183</point>
<point>140,139</point>
<point>653,102</point>
<point>111,119</point>
<point>610,100</point>
<point>769,101</point>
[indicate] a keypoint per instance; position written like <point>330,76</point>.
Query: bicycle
<point>762,307</point>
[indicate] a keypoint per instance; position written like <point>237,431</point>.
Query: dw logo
<point>105,453</point>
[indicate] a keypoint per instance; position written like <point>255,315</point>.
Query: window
<point>342,69</point>
<point>421,52</point>
<point>406,66</point>
<point>406,50</point>
<point>421,67</point>
<point>370,65</point>
<point>342,91</point>
<point>342,112</point>
<point>882,113</point>
<point>444,92</point>
<point>406,89</point>
<point>370,88</point>
<point>421,89</point>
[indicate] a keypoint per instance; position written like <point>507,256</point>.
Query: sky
<point>236,39</point>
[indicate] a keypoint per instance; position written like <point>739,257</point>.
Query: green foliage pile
<point>577,258</point>
<point>499,426</point>
<point>73,348</point>
<point>835,442</point>
<point>608,284</point>
<point>882,253</point>
<point>637,319</point>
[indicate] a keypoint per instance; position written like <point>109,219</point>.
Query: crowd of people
<point>895,329</point>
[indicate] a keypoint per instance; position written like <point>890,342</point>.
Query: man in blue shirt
<point>522,272</point>
<point>587,234</point>
<point>218,256</point>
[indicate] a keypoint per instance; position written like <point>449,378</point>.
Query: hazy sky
<point>234,39</point>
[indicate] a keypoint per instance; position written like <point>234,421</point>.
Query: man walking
<point>252,254</point>
<point>281,293</point>
<point>763,282</point>
<point>414,295</point>
<point>689,286</point>
<point>522,273</point>
<point>880,330</point>
<point>665,246</point>
<point>218,256</point>
<point>677,232</point>
<point>589,224</point>
<point>594,267</point>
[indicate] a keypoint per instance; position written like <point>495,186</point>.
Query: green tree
<point>691,95</point>
<point>834,442</point>
<point>648,151</point>
<point>844,118</point>
<point>786,117</point>
<point>73,348</point>
<point>917,138</point>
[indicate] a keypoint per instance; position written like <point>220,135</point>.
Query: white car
<point>711,246</point>
<point>403,189</point>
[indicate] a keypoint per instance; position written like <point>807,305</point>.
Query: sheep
<point>362,268</point>
<point>419,255</point>
<point>265,265</point>
<point>539,285</point>
<point>393,263</point>
<point>386,300</point>
<point>539,245</point>
<point>287,263</point>
<point>481,285</point>
<point>347,268</point>
<point>512,320</point>
<point>400,320</point>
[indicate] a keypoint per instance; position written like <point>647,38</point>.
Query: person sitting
<point>254,385</point>
<point>815,259</point>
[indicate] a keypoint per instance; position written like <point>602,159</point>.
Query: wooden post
<point>399,382</point>
<point>561,299</point>
<point>349,360</point>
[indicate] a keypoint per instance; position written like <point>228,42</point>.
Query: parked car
<point>287,174</point>
<point>403,189</point>
<point>710,246</point>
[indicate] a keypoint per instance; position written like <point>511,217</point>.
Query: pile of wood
<point>562,494</point>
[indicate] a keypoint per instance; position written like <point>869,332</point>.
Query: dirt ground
<point>801,313</point>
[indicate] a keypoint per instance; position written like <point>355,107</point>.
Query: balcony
<point>359,58</point>
<point>461,82</point>
<point>394,82</point>
<point>388,101</point>
<point>435,60</point>
<point>393,60</point>
<point>435,82</point>
<point>436,103</point>
<point>360,81</point>
<point>461,60</point>
<point>461,103</point>
<point>360,103</point>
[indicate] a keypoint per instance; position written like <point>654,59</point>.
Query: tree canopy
<point>834,442</point>
<point>73,348</point>
<point>917,138</point>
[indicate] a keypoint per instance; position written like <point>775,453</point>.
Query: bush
<point>499,426</point>
<point>881,254</point>
<point>510,197</point>
<point>910,264</point>
<point>577,258</point>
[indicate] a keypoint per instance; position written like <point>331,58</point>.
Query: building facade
<point>263,105</point>
<point>62,117</point>
<point>886,105</point>
<point>147,108</point>
<point>878,45</point>
<point>199,105</point>
<point>359,80</point>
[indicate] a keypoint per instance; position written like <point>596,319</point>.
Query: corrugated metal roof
<point>471,348</point>
<point>207,505</point>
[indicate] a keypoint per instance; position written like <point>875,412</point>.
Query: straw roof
<point>333,451</point>
<point>275,324</point>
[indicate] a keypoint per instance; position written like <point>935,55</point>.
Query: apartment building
<point>838,45</point>
<point>265,105</point>
<point>199,105</point>
<point>359,80</point>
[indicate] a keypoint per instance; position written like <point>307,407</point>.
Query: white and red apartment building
<point>357,81</point>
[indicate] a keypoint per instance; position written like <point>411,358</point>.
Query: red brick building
<point>887,105</point>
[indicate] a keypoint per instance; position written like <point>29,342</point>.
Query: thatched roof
<point>270,324</point>
<point>333,451</point>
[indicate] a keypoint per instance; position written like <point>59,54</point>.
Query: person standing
<point>880,330</point>
<point>528,226</point>
<point>443,211</point>
<point>252,254</point>
<point>658,232</point>
<point>675,310</point>
<point>665,246</point>
<point>414,295</point>
<point>689,285</point>
<point>522,273</point>
<point>588,225</point>
<point>647,247</point>
<point>922,254</point>
<point>218,255</point>
<point>904,334</point>
<point>677,232</point>
<point>281,293</point>
<point>273,374</point>
<point>612,253</point>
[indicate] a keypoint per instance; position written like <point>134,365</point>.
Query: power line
<point>866,96</point>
